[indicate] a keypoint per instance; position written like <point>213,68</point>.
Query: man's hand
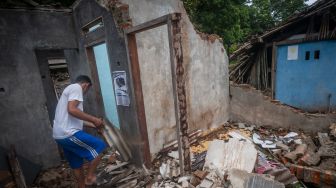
<point>74,111</point>
<point>98,122</point>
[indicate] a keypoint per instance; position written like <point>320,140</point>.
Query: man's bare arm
<point>88,124</point>
<point>74,111</point>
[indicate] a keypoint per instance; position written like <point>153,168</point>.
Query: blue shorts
<point>81,146</point>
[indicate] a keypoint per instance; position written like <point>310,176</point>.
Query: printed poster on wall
<point>293,52</point>
<point>120,88</point>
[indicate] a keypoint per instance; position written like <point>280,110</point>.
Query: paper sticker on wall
<point>293,52</point>
<point>120,88</point>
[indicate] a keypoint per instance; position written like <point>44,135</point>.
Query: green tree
<point>282,9</point>
<point>235,20</point>
<point>228,19</point>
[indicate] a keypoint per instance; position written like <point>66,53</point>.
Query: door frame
<point>173,22</point>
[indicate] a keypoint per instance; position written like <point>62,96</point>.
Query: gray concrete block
<point>243,179</point>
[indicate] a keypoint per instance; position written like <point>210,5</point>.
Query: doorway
<point>54,75</point>
<point>100,65</point>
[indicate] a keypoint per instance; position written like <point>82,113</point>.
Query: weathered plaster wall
<point>206,66</point>
<point>85,12</point>
<point>251,106</point>
<point>24,118</point>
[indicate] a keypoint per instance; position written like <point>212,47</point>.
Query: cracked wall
<point>206,66</point>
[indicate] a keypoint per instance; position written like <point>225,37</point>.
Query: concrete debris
<point>273,168</point>
<point>333,129</point>
<point>264,143</point>
<point>328,150</point>
<point>298,152</point>
<point>241,126</point>
<point>243,179</point>
<point>310,158</point>
<point>174,154</point>
<point>61,177</point>
<point>169,169</point>
<point>291,135</point>
<point>236,134</point>
<point>234,154</point>
<point>328,164</point>
<point>310,143</point>
<point>206,184</point>
<point>324,138</point>
<point>281,145</point>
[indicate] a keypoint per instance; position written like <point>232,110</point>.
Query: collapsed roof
<point>254,58</point>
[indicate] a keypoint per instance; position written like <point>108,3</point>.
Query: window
<point>307,57</point>
<point>317,54</point>
<point>94,25</point>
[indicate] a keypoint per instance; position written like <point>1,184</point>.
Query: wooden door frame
<point>176,56</point>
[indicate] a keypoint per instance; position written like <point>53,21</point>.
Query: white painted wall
<point>206,65</point>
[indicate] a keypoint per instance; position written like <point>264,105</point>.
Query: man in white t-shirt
<point>68,131</point>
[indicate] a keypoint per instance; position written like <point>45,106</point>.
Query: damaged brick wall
<point>206,73</point>
<point>251,106</point>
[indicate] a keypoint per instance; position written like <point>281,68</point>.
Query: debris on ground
<point>234,155</point>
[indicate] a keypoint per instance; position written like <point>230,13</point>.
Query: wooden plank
<point>139,101</point>
<point>274,51</point>
<point>148,25</point>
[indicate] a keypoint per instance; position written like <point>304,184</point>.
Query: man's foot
<point>90,180</point>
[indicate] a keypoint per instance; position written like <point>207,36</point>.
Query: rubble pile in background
<point>61,79</point>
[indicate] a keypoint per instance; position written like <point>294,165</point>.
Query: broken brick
<point>200,174</point>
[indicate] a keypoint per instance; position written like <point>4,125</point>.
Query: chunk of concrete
<point>328,164</point>
<point>299,151</point>
<point>310,158</point>
<point>328,150</point>
<point>243,179</point>
<point>323,138</point>
<point>206,184</point>
<point>281,145</point>
<point>333,129</point>
<point>237,154</point>
<point>310,143</point>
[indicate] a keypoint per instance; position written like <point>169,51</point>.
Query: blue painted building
<point>305,75</point>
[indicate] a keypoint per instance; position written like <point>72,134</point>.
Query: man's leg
<point>91,174</point>
<point>75,161</point>
<point>92,149</point>
<point>79,174</point>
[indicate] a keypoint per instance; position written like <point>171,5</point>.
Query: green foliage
<point>235,20</point>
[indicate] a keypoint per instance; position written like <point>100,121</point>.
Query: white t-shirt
<point>65,124</point>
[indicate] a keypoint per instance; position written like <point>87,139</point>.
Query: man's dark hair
<point>83,79</point>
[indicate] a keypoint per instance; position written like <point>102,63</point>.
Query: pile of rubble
<point>112,172</point>
<point>235,155</point>
<point>239,155</point>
